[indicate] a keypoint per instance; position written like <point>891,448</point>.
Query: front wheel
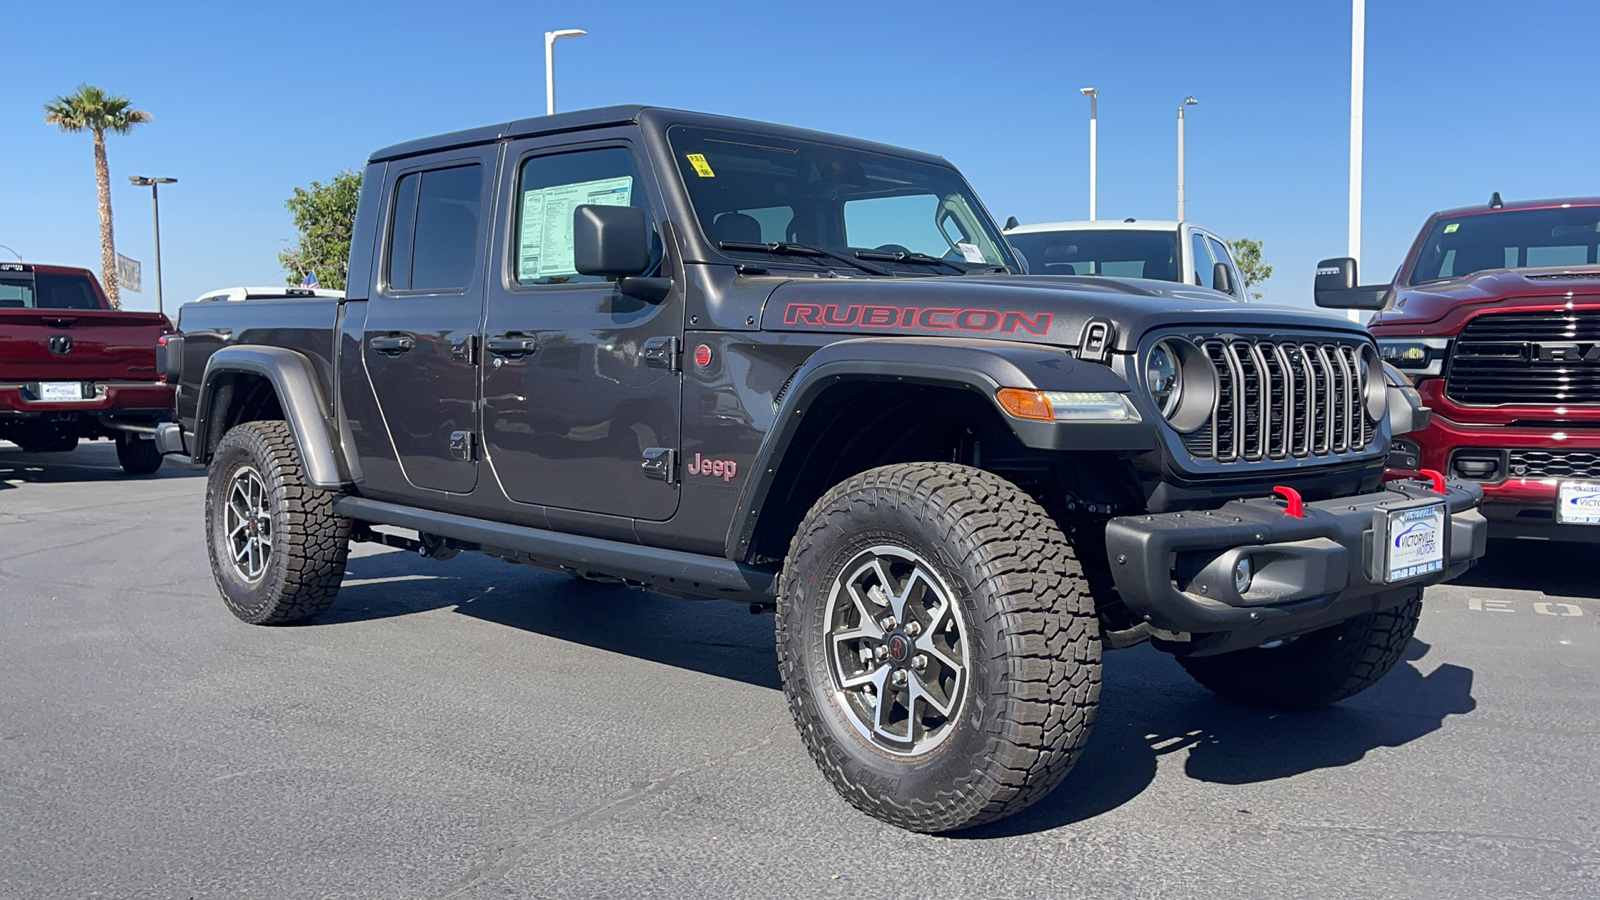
<point>937,645</point>
<point>1316,669</point>
<point>277,549</point>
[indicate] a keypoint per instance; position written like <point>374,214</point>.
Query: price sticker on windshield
<point>701,167</point>
<point>1414,542</point>
<point>971,253</point>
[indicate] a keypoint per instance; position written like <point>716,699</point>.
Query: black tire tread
<point>1317,670</point>
<point>312,542</point>
<point>1042,614</point>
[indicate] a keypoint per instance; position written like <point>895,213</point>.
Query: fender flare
<point>299,394</point>
<point>983,366</point>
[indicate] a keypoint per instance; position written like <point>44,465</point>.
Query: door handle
<point>394,344</point>
<point>512,345</point>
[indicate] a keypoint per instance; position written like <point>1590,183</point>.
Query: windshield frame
<point>677,150</point>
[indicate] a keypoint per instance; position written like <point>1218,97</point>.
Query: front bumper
<point>1175,570</point>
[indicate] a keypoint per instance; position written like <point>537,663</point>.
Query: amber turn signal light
<point>1025,404</point>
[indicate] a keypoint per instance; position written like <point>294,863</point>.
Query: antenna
<point>1495,202</point>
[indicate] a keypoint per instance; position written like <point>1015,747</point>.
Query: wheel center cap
<point>899,645</point>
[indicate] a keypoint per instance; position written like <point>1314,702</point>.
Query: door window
<point>1202,259</point>
<point>433,233</point>
<point>549,189</point>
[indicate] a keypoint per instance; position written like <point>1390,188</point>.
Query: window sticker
<point>545,244</point>
<point>971,253</point>
<point>1451,228</point>
<point>701,167</point>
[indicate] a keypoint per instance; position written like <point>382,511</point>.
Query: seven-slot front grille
<point>1526,359</point>
<point>1283,398</point>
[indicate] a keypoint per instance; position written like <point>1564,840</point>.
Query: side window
<point>1220,254</point>
<point>549,188</point>
<point>1202,259</point>
<point>433,233</point>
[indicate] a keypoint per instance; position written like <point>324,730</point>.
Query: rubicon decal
<point>916,318</point>
<point>714,468</point>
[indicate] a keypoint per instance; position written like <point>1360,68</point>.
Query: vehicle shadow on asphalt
<point>1549,567</point>
<point>94,461</point>
<point>1149,707</point>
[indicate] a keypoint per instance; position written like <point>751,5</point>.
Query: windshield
<point>1522,238</point>
<point>903,216</point>
<point>1120,254</point>
<point>47,291</point>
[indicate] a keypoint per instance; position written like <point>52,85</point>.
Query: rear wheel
<point>1315,669</point>
<point>277,549</point>
<point>137,454</point>
<point>937,645</point>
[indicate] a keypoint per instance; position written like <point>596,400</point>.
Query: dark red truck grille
<point>1527,359</point>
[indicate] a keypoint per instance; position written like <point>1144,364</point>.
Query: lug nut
<point>887,623</point>
<point>912,628</point>
<point>898,678</point>
<point>881,652</point>
<point>919,662</point>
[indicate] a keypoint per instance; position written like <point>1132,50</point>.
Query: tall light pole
<point>12,252</point>
<point>1187,101</point>
<point>1094,117</point>
<point>155,207</point>
<point>1358,77</point>
<point>550,38</point>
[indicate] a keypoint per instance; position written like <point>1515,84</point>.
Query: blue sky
<point>250,100</point>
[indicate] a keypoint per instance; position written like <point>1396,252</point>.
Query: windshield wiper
<point>910,257</point>
<point>784,248</point>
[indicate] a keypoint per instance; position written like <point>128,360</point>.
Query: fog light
<point>1242,576</point>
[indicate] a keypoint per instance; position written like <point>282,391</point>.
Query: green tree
<point>97,112</point>
<point>325,215</point>
<point>1252,268</point>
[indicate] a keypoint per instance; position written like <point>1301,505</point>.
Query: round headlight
<point>1374,386</point>
<point>1164,374</point>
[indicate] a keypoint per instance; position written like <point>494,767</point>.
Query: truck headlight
<point>1417,356</point>
<point>1374,387</point>
<point>1182,383</point>
<point>1164,374</point>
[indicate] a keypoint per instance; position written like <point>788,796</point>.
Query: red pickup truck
<point>71,367</point>
<point>1495,314</point>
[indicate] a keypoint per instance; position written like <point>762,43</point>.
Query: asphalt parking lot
<point>478,730</point>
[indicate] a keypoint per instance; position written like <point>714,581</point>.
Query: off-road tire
<point>1316,669</point>
<point>137,455</point>
<point>1033,682</point>
<point>308,543</point>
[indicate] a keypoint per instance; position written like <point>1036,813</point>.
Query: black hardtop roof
<point>654,118</point>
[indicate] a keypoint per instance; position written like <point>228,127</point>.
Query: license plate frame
<point>1414,541</point>
<point>60,391</point>
<point>1570,492</point>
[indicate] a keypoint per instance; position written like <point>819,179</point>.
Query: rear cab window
<point>47,290</point>
<point>433,231</point>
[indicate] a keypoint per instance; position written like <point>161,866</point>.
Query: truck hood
<point>1038,309</point>
<point>1430,303</point>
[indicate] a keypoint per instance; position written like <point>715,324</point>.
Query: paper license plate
<point>1578,503</point>
<point>60,390</point>
<point>1415,542</point>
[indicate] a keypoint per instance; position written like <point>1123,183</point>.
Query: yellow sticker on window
<point>1451,228</point>
<point>701,167</point>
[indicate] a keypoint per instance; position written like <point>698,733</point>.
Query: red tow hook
<point>1437,478</point>
<point>1297,506</point>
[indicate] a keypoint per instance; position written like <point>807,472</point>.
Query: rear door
<point>420,343</point>
<point>580,381</point>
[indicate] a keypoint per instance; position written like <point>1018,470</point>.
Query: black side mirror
<point>1336,287</point>
<point>1012,223</point>
<point>1221,278</point>
<point>612,241</point>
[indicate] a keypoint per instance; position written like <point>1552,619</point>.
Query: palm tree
<point>93,110</point>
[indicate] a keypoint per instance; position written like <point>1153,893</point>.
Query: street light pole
<point>1358,77</point>
<point>155,207</point>
<point>12,252</point>
<point>1094,117</point>
<point>1187,101</point>
<point>550,38</point>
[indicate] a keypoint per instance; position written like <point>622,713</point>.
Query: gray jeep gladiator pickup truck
<point>716,358</point>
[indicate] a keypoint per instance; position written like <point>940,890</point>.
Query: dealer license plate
<point>1578,503</point>
<point>60,390</point>
<point>1415,545</point>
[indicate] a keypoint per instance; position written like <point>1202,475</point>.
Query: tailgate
<point>78,345</point>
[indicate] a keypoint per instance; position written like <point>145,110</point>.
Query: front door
<point>419,348</point>
<point>580,381</point>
